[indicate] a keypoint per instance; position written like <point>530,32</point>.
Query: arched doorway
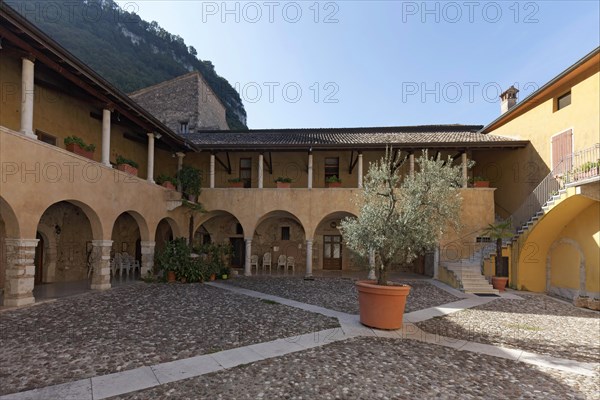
<point>71,242</point>
<point>222,227</point>
<point>9,228</point>
<point>282,234</point>
<point>330,252</point>
<point>164,234</point>
<point>127,236</point>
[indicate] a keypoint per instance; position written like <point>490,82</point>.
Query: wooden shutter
<point>562,149</point>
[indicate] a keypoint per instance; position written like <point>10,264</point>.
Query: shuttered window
<point>562,149</point>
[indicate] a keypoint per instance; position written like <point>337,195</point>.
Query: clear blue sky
<point>379,63</point>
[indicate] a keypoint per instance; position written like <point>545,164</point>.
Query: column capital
<point>21,242</point>
<point>150,134</point>
<point>148,243</point>
<point>180,154</point>
<point>28,57</point>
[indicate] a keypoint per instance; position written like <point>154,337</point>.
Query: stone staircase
<point>553,201</point>
<point>468,276</point>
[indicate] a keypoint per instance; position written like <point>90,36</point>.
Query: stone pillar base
<point>101,264</point>
<point>20,272</point>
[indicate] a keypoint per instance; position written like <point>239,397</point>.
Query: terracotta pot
<point>171,277</point>
<point>481,184</point>
<point>213,277</point>
<point>381,307</point>
<point>283,185</point>
<point>499,282</point>
<point>74,148</point>
<point>128,169</point>
<point>334,184</point>
<point>168,185</point>
<point>236,184</point>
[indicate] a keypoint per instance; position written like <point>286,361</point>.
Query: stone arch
<point>329,249</point>
<point>225,228</point>
<point>69,228</point>
<point>166,229</point>
<point>582,273</point>
<point>280,233</point>
<point>9,219</point>
<point>141,223</point>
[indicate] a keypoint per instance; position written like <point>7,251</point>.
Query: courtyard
<point>285,337</point>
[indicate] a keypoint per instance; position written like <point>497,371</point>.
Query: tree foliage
<point>402,217</point>
<point>126,50</point>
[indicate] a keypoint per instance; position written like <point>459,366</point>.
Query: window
<point>332,167</point>
<point>563,101</point>
<point>285,233</point>
<point>45,137</point>
<point>184,128</point>
<point>246,171</point>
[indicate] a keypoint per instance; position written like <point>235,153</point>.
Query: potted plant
<point>333,182</point>
<point>76,145</point>
<point>400,218</point>
<point>127,165</point>
<point>235,183</point>
<point>167,181</point>
<point>498,232</point>
<point>190,179</point>
<point>481,182</point>
<point>283,182</point>
<point>173,260</point>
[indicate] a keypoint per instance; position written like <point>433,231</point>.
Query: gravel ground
<point>537,324</point>
<point>375,368</point>
<point>338,293</point>
<point>124,328</point>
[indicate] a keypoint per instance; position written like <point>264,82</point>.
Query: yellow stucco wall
<point>571,225</point>
<point>517,173</point>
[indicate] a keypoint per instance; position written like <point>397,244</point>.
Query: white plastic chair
<point>266,262</point>
<point>290,263</point>
<point>254,262</point>
<point>281,262</point>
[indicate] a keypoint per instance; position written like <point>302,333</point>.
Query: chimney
<point>508,99</point>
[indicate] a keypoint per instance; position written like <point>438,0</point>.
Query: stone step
<point>482,291</point>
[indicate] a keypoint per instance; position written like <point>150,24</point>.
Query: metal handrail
<point>582,165</point>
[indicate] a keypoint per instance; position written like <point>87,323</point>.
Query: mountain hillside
<point>126,50</point>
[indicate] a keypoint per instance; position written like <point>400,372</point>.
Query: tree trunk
<point>382,277</point>
<point>191,231</point>
<point>498,255</point>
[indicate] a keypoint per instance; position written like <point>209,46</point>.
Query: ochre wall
<point>573,219</point>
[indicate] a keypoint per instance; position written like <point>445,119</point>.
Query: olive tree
<point>402,217</point>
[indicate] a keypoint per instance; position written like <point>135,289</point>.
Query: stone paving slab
<point>78,390</point>
<point>123,382</point>
<point>379,368</point>
<point>188,368</point>
<point>536,323</point>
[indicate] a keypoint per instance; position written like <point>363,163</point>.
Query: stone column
<point>411,163</point>
<point>27,97</point>
<point>212,171</point>
<point>247,268</point>
<point>261,168</point>
<point>147,257</point>
<point>360,170</point>
<point>309,258</point>
<point>436,261</point>
<point>106,137</point>
<point>101,264</point>
<point>465,177</point>
<point>179,168</point>
<point>150,177</point>
<point>20,272</point>
<point>310,170</point>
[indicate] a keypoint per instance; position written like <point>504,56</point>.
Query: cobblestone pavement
<point>538,323</point>
<point>376,368</point>
<point>103,332</point>
<point>338,293</point>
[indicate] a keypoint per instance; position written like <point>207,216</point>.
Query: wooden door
<point>562,150</point>
<point>238,255</point>
<point>332,252</point>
